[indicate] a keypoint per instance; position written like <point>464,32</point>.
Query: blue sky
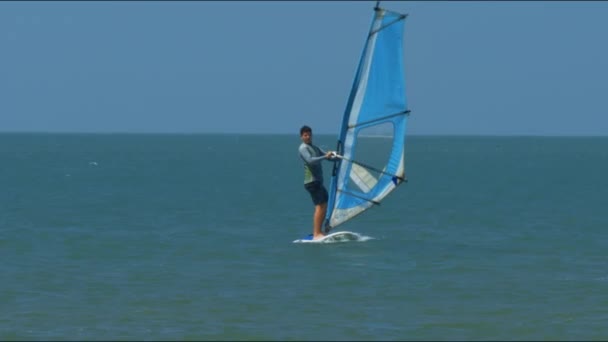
<point>492,68</point>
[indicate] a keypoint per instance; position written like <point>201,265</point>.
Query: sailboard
<point>371,142</point>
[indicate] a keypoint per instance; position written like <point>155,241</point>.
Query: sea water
<point>190,237</point>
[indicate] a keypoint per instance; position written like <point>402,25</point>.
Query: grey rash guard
<point>312,157</point>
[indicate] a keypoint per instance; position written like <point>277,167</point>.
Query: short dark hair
<point>305,129</point>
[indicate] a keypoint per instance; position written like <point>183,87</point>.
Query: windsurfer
<point>313,177</point>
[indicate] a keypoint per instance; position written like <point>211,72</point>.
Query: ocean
<point>190,237</point>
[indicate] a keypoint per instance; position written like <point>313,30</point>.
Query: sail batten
<point>379,119</point>
<point>401,17</point>
<point>376,106</point>
<point>359,196</point>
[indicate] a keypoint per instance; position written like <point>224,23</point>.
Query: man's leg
<point>320,211</point>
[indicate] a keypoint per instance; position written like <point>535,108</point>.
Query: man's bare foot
<point>315,237</point>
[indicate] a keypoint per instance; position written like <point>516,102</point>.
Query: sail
<point>372,135</point>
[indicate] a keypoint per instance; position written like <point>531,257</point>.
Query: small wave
<point>604,278</point>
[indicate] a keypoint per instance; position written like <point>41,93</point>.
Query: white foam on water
<point>338,237</point>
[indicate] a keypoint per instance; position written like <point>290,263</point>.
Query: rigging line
<point>328,227</point>
<point>371,168</point>
<point>379,119</point>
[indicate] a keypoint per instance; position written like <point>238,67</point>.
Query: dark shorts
<point>317,192</point>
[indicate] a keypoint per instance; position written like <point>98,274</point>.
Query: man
<point>313,177</point>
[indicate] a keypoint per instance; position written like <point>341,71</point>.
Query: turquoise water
<point>189,237</point>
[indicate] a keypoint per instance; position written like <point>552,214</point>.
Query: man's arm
<point>307,156</point>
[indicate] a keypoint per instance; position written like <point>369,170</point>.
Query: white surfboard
<point>342,236</point>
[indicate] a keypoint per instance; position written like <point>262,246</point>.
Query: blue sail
<point>372,135</point>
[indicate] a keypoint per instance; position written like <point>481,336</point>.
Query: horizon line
<point>296,134</point>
